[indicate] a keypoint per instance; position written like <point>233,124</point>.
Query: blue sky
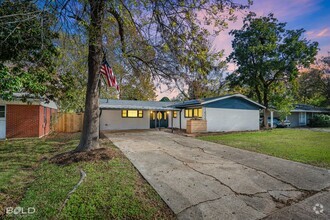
<point>311,15</point>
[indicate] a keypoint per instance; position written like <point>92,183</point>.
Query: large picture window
<point>132,113</point>
<point>193,113</point>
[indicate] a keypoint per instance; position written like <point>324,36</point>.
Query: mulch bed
<point>86,156</point>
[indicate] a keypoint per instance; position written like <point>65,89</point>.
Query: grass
<point>299,145</point>
<point>113,189</point>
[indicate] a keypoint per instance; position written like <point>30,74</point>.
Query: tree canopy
<point>165,99</point>
<point>27,50</point>
<point>311,87</point>
<point>162,38</point>
<point>268,59</point>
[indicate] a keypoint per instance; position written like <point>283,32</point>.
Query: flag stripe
<point>107,72</point>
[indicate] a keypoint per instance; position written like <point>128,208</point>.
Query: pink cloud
<point>320,33</point>
<point>324,33</point>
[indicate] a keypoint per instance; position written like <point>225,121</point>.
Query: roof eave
<point>312,111</point>
<point>138,108</point>
<point>234,95</point>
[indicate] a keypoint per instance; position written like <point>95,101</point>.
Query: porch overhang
<point>132,107</point>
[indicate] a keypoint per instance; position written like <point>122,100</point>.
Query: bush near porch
<point>301,145</point>
<point>320,120</point>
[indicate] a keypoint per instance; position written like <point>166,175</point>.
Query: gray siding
<point>112,120</point>
<point>294,119</point>
<point>221,119</point>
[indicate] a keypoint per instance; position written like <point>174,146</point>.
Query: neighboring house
<point>25,119</point>
<point>226,113</point>
<point>301,114</point>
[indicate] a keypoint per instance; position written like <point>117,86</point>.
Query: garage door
<point>232,119</point>
<point>2,121</point>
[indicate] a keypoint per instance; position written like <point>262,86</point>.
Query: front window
<point>132,113</point>
<point>2,111</point>
<point>175,114</point>
<point>193,113</point>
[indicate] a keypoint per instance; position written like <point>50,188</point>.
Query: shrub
<point>320,120</point>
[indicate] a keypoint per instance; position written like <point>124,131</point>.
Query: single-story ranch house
<point>225,113</point>
<point>301,114</point>
<point>25,119</point>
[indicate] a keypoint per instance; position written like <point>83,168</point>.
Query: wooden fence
<point>68,122</point>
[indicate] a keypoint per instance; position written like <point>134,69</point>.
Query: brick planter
<point>196,126</point>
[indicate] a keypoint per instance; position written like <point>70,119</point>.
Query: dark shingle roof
<point>197,101</point>
<point>156,105</point>
<point>134,104</point>
<point>30,98</point>
<point>309,108</point>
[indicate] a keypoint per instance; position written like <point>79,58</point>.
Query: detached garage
<point>226,113</point>
<point>25,119</point>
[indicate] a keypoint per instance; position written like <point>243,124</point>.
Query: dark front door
<point>162,119</point>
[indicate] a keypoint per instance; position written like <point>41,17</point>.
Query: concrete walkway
<point>203,180</point>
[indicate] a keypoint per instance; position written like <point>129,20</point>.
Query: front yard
<point>113,189</point>
<point>306,146</point>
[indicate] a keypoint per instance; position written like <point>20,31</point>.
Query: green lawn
<point>113,189</point>
<point>300,145</point>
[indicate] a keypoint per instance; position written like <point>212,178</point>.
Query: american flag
<point>107,72</point>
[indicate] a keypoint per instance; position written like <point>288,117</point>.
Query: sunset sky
<point>312,15</point>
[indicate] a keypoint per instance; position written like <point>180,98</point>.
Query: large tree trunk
<point>90,133</point>
<point>265,103</point>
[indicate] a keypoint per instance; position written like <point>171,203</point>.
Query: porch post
<point>156,120</point>
<point>172,112</point>
<point>271,119</point>
<point>180,119</point>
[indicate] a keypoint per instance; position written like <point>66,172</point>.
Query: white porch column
<point>271,119</point>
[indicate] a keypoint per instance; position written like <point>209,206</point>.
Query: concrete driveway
<point>203,180</point>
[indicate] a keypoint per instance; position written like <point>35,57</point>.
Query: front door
<point>2,122</point>
<point>302,118</point>
<point>162,119</point>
